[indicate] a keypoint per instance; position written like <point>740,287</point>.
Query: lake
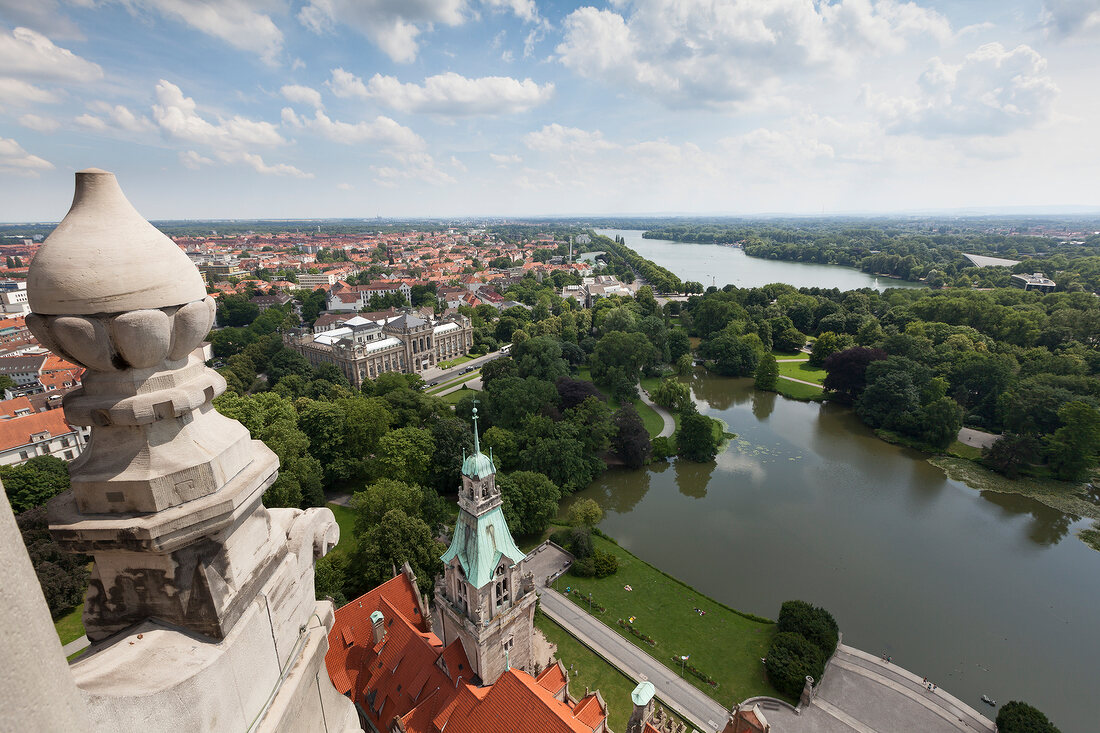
<point>983,593</point>
<point>713,264</point>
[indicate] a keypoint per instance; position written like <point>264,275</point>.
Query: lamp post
<point>683,663</point>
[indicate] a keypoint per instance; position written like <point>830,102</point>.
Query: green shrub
<point>790,660</point>
<point>604,564</point>
<point>1019,717</point>
<point>816,624</point>
<point>561,537</point>
<point>663,448</point>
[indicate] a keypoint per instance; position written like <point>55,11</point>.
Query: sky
<point>450,108</point>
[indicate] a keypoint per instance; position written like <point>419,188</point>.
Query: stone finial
<point>165,479</point>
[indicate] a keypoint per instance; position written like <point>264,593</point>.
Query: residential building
<point>1036,281</point>
<point>14,299</point>
<point>314,280</point>
<point>23,369</point>
<point>27,436</point>
<point>592,289</point>
<point>270,300</point>
<point>357,297</point>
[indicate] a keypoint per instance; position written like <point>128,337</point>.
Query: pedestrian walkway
<point>75,646</point>
<point>800,381</point>
<point>675,693</point>
<point>670,424</point>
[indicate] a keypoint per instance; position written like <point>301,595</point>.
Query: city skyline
<point>329,108</point>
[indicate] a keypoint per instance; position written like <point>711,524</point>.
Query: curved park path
<point>666,417</point>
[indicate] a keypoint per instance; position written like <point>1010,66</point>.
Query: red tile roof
<point>18,431</point>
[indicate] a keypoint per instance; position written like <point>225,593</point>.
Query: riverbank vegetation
<point>911,250</point>
<point>722,643</point>
<point>919,364</point>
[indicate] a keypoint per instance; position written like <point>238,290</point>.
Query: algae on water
<point>1068,498</point>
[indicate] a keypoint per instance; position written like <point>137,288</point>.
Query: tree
<point>626,351</point>
<point>812,622</point>
<point>530,501</point>
<point>452,438</point>
<point>540,357</point>
<point>381,495</point>
<point>695,439</point>
<point>847,371</point>
<point>330,576</point>
<point>1075,447</point>
<point>563,460</point>
<point>828,343</point>
<point>63,576</point>
<point>1011,453</point>
<point>35,482</point>
<point>767,373</point>
<point>939,422</point>
<point>789,339</point>
<point>678,343</point>
<point>6,382</point>
<point>631,441</point>
<point>406,454</point>
<point>575,391</point>
<point>285,363</point>
<point>671,394</point>
<point>503,367</point>
<point>791,659</point>
<point>236,310</point>
<point>585,513</point>
<point>592,419</point>
<point>734,355</point>
<point>1019,717</point>
<point>396,539</point>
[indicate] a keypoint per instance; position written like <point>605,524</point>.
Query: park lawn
<point>345,518</point>
<point>453,397</point>
<point>723,644</point>
<point>962,450</point>
<point>802,370</point>
<point>590,670</point>
<point>790,354</point>
<point>453,362</point>
<point>70,626</point>
<point>797,391</point>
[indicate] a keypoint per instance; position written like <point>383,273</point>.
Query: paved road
<point>670,424</point>
<point>977,438</point>
<point>438,376</point>
<point>862,693</point>
<point>800,381</point>
<point>674,693</point>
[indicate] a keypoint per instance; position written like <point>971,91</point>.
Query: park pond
<point>982,592</point>
<point>712,264</point>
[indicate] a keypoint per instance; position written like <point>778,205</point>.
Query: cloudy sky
<point>326,108</point>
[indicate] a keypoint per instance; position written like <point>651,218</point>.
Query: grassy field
<point>962,450</point>
<point>721,643</point>
<point>797,391</point>
<point>802,370</point>
<point>590,670</point>
<point>454,397</point>
<point>345,517</point>
<point>454,362</point>
<point>70,626</point>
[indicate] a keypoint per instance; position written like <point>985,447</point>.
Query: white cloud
<point>20,92</point>
<point>15,160</point>
<point>453,94</point>
<point>302,95</point>
<point>381,130</point>
<point>345,84</point>
<point>27,54</point>
<point>523,9</point>
<point>39,123</point>
<point>391,25</point>
<point>257,164</point>
<point>458,165</point>
<point>176,116</point>
<point>343,186</point>
<point>413,167</point>
<point>555,138</point>
<point>194,161</point>
<point>505,160</point>
<point>705,53</point>
<point>243,24</point>
<point>42,15</point>
<point>993,92</point>
<point>1067,18</point>
<point>115,117</point>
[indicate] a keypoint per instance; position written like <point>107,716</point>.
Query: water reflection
<point>720,393</point>
<point>692,478</point>
<point>763,404</point>
<point>1047,527</point>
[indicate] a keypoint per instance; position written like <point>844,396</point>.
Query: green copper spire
<point>477,464</point>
